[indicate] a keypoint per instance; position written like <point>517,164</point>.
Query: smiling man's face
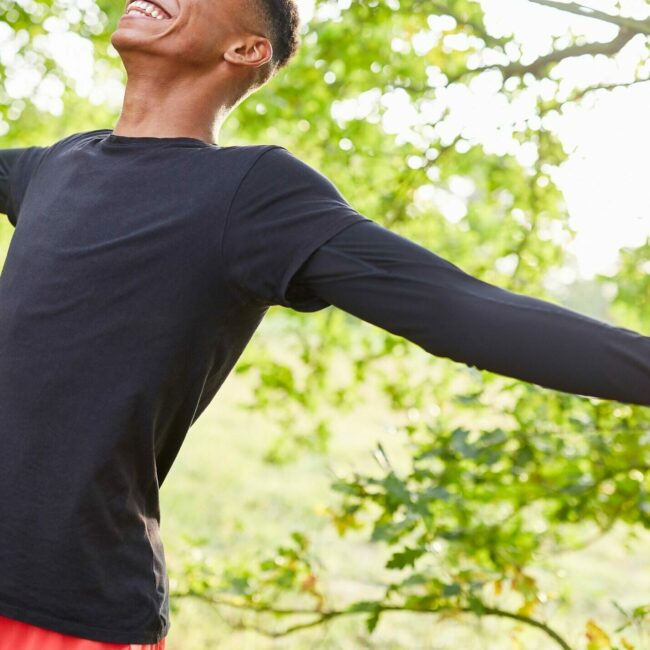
<point>190,33</point>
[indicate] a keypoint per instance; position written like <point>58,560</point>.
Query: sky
<point>605,179</point>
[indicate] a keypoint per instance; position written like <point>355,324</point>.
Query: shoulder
<point>274,175</point>
<point>37,153</point>
<point>278,165</point>
<point>248,153</point>
<point>275,154</point>
<point>76,139</point>
<point>262,164</point>
<point>267,155</point>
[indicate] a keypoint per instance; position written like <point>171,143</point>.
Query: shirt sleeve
<point>8,159</point>
<point>404,288</point>
<point>17,166</point>
<point>283,210</point>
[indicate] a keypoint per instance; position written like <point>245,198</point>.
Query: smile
<point>145,9</point>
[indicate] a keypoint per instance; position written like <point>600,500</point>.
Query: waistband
<point>18,635</point>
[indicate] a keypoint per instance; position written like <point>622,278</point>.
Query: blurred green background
<point>394,499</point>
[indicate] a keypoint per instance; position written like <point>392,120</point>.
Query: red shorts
<point>16,635</point>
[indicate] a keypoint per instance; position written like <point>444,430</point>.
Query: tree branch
<point>444,9</point>
<point>579,94</point>
<point>637,26</point>
<point>538,66</point>
<point>325,616</point>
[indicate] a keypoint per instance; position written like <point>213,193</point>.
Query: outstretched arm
<point>404,288</point>
<point>8,158</point>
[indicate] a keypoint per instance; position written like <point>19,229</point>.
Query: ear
<point>251,50</point>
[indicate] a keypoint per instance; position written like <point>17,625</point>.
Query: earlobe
<point>266,51</point>
<point>263,54</point>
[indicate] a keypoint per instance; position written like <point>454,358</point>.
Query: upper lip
<point>158,4</point>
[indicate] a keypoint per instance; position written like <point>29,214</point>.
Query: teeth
<point>146,7</point>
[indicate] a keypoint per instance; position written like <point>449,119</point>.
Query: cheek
<point>198,39</point>
<point>195,37</point>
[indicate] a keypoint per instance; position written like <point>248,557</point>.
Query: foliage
<point>631,303</point>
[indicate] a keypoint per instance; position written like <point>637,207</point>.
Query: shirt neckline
<point>113,138</point>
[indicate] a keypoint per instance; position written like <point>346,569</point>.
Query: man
<point>142,262</point>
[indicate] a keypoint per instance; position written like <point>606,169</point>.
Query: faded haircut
<point>280,21</point>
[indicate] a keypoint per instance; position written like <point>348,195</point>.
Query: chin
<point>129,36</point>
<point>123,39</point>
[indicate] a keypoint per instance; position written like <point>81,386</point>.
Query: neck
<point>177,107</point>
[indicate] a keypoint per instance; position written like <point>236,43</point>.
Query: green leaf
<point>404,558</point>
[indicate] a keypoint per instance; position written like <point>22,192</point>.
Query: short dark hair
<point>279,21</point>
<point>282,22</point>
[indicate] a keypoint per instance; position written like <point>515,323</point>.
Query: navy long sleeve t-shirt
<point>138,271</point>
<point>404,288</point>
